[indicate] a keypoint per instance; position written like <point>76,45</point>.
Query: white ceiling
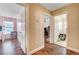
<point>10,9</point>
<point>53,6</point>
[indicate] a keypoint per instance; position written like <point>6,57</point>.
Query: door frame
<point>66,25</point>
<point>50,16</point>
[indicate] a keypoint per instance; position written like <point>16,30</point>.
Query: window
<point>8,27</point>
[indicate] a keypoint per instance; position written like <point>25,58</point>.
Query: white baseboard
<point>70,48</point>
<point>35,50</point>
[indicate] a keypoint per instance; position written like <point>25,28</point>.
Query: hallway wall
<point>73,25</point>
<point>36,26</point>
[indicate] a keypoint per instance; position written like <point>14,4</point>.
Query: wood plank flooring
<point>13,47</point>
<point>10,47</point>
<point>53,49</point>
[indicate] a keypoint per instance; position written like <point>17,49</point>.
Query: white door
<point>21,30</point>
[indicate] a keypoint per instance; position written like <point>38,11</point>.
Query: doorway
<point>60,30</point>
<point>12,29</point>
<point>46,27</point>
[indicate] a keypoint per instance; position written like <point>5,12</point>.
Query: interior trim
<point>73,49</point>
<point>35,50</point>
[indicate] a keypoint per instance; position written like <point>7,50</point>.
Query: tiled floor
<point>10,47</point>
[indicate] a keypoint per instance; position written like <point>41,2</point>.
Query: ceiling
<point>10,9</point>
<point>53,6</point>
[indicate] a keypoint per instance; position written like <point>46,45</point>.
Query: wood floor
<point>53,49</point>
<point>10,47</point>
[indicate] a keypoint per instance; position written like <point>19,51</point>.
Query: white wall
<point>21,29</point>
<point>51,30</point>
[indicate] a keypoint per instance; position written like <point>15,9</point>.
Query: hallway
<point>10,47</point>
<point>53,49</point>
